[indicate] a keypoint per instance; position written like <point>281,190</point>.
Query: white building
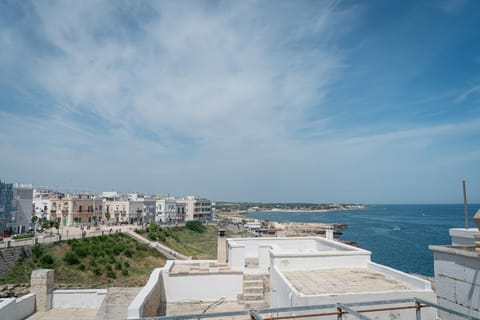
<point>166,210</point>
<point>259,273</point>
<point>42,204</point>
<point>199,209</point>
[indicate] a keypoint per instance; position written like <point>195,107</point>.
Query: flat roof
<point>352,280</point>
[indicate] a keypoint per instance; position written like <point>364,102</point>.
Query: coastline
<point>357,207</point>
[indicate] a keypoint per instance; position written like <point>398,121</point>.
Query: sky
<point>270,101</point>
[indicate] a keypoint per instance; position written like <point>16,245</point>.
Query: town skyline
<point>323,101</point>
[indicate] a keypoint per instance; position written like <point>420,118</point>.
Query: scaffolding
<point>356,309</point>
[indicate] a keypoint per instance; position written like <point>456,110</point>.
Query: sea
<point>397,235</point>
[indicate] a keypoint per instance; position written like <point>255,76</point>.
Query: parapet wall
<point>17,308</point>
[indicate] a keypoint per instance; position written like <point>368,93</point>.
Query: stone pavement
<point>331,281</point>
<point>63,314</point>
<point>116,303</point>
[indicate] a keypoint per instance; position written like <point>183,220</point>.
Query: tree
<point>107,216</point>
<point>196,226</point>
<point>34,219</point>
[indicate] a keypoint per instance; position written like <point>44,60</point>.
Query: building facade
<point>166,210</point>
<point>7,206</point>
<point>199,209</point>
<point>87,209</point>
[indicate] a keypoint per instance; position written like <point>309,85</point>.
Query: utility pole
<point>465,203</point>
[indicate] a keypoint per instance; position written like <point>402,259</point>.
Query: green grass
<point>115,260</point>
<point>199,243</point>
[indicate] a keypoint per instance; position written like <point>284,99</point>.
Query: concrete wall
<point>282,290</point>
<point>79,298</point>
<point>239,249</point>
<point>319,260</point>
<point>150,301</point>
<point>457,277</point>
<point>462,236</point>
<point>17,308</point>
<point>202,286</point>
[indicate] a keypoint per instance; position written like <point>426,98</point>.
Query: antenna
<point>465,203</point>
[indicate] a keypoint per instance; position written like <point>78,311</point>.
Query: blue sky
<point>319,101</point>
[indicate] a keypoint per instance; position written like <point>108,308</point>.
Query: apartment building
<point>15,207</point>
<point>135,207</point>
<point>181,209</point>
<point>166,210</point>
<point>7,206</point>
<point>199,209</point>
<point>87,209</point>
<point>149,209</point>
<point>61,206</point>
<point>42,204</point>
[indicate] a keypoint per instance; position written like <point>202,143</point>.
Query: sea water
<point>397,235</point>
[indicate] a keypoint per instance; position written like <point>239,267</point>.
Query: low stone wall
<point>10,256</point>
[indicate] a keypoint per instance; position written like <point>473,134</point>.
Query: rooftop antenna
<point>465,203</point>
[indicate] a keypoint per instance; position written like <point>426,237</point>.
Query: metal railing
<point>337,309</point>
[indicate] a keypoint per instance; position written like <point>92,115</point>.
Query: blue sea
<point>397,235</point>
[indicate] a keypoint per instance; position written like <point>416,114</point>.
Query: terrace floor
<point>353,280</point>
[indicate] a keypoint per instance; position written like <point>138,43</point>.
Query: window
<point>80,208</point>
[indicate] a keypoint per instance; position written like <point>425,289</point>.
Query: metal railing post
<point>418,311</point>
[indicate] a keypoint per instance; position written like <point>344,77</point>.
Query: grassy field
<point>114,260</point>
<point>199,244</point>
<point>199,241</point>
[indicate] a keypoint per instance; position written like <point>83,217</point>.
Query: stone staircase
<point>253,296</point>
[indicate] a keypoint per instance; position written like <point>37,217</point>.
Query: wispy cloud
<point>226,99</point>
<point>467,93</point>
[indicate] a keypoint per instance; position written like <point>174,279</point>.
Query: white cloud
<point>188,97</point>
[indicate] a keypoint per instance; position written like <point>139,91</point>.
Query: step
<point>254,290</point>
<point>252,283</point>
<point>252,297</point>
<point>247,276</point>
<point>259,304</point>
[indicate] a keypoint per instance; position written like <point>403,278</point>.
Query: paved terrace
<point>330,281</point>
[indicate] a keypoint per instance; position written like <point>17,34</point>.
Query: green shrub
<point>81,267</point>
<point>128,252</point>
<point>82,251</point>
<point>126,264</point>
<point>71,258</point>
<point>92,262</point>
<point>97,271</point>
<point>46,260</point>
<point>118,266</point>
<point>22,236</point>
<point>111,274</point>
<point>117,250</point>
<point>196,226</point>
<point>125,272</point>
<point>37,251</point>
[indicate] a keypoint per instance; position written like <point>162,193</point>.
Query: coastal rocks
<point>292,229</point>
<point>14,290</point>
